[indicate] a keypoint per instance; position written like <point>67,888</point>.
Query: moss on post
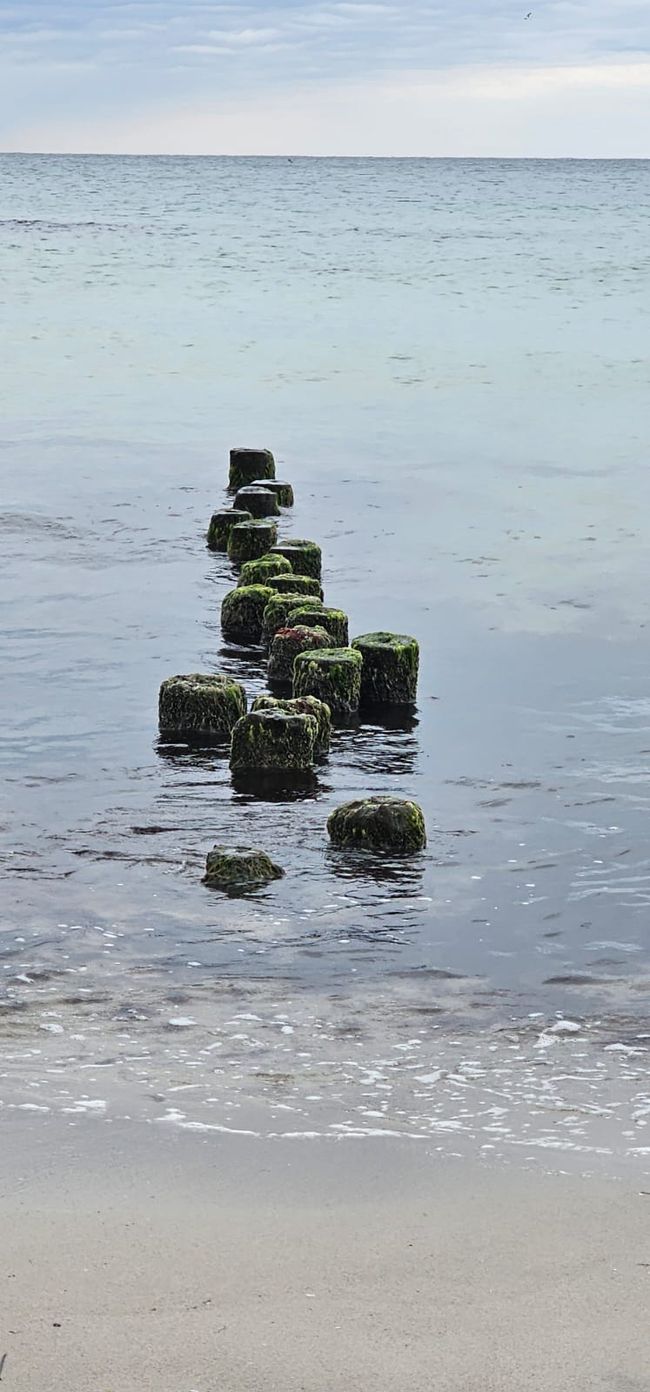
<point>250,540</point>
<point>259,501</point>
<point>381,823</point>
<point>264,570</point>
<point>273,740</point>
<point>390,668</point>
<point>249,466</point>
<point>334,620</point>
<point>302,705</point>
<point>333,675</point>
<point>283,491</point>
<point>200,704</point>
<point>305,556</point>
<point>296,584</point>
<point>236,869</point>
<point>221,525</point>
<point>279,608</point>
<point>286,645</point>
<point>241,613</point>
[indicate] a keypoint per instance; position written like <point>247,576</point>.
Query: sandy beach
<point>137,1259</point>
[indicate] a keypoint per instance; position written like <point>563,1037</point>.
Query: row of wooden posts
<point>316,676</point>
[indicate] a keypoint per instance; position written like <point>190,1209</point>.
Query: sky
<point>313,77</point>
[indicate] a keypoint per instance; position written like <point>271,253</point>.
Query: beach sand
<point>143,1259</point>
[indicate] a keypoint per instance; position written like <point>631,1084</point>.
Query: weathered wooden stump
<point>302,705</point>
<point>236,869</point>
<point>333,675</point>
<point>389,674</point>
<point>242,611</point>
<point>250,466</point>
<point>273,740</point>
<point>200,704</point>
<point>286,645</point>
<point>305,556</point>
<point>250,540</point>
<point>264,570</point>
<point>283,491</point>
<point>296,584</point>
<point>279,609</point>
<point>381,823</point>
<point>221,525</point>
<point>334,620</point>
<point>259,501</point>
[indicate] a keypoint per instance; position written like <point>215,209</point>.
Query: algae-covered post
<point>279,608</point>
<point>250,540</point>
<point>389,674</point>
<point>273,740</point>
<point>221,525</point>
<point>379,823</point>
<point>242,611</point>
<point>264,570</point>
<point>334,620</point>
<point>286,645</point>
<point>250,466</point>
<point>333,675</point>
<point>259,501</point>
<point>200,704</point>
<point>296,584</point>
<point>302,705</point>
<point>237,869</point>
<point>305,556</point>
<point>283,491</point>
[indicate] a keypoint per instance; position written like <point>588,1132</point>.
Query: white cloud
<point>348,7</point>
<point>572,111</point>
<point>244,36</point>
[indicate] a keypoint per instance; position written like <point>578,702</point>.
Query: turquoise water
<point>449,359</point>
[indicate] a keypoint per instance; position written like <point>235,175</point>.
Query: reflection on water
<point>405,873</point>
<point>276,785</point>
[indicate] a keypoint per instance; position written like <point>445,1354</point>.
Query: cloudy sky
<point>456,77</point>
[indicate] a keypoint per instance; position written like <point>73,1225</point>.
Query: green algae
<point>333,675</point>
<point>302,705</point>
<point>305,556</point>
<point>200,704</point>
<point>250,466</point>
<point>221,525</point>
<point>285,647</point>
<point>390,668</point>
<point>273,740</point>
<point>296,584</point>
<point>334,620</point>
<point>264,570</point>
<point>242,611</point>
<point>279,609</point>
<point>257,500</point>
<point>238,869</point>
<point>250,540</point>
<point>381,823</point>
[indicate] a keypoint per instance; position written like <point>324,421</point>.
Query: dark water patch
<point>577,979</point>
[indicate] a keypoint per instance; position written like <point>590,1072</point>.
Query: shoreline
<point>145,1260</point>
<point>567,1094</point>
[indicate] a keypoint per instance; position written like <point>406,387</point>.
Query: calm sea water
<point>449,360</point>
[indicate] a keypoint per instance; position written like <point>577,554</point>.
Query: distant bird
<point>529,15</point>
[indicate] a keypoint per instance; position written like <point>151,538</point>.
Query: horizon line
<point>189,154</point>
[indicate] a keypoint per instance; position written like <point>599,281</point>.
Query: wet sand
<point>137,1258</point>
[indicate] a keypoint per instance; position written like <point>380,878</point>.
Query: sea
<point>449,360</point>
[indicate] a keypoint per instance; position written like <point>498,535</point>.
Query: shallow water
<point>449,361</point>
